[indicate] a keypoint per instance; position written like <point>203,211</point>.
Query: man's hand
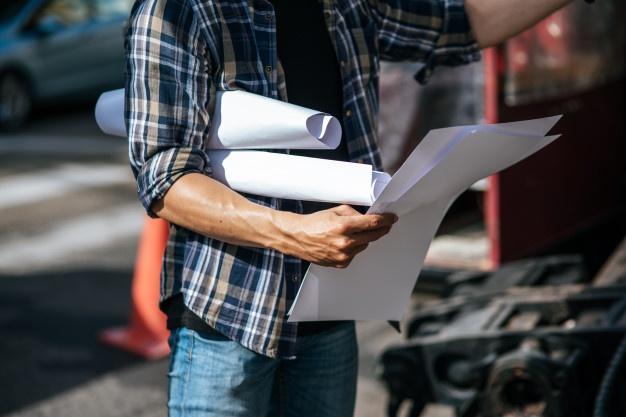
<point>333,237</point>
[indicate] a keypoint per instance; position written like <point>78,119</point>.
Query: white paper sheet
<point>378,283</point>
<point>297,177</point>
<point>243,120</point>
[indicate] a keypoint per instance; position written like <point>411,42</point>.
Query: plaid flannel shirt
<point>179,52</point>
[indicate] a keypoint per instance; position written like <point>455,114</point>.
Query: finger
<point>353,252</point>
<point>345,210</point>
<point>370,235</point>
<point>361,223</point>
<point>358,249</point>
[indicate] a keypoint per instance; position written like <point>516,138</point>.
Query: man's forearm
<point>494,21</point>
<point>329,237</point>
<point>199,203</point>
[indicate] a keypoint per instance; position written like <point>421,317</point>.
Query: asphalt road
<point>69,221</point>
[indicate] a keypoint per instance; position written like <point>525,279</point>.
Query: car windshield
<point>10,9</point>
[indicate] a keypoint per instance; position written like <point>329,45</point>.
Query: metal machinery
<point>528,352</point>
<point>535,338</point>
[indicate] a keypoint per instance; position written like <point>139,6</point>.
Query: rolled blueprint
<point>243,120</point>
<point>298,177</point>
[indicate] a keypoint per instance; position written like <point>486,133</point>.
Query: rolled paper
<point>298,177</point>
<point>243,120</point>
<point>110,113</point>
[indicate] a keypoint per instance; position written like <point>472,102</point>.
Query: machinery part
<point>15,100</point>
<point>614,269</point>
<point>546,270</point>
<point>530,351</point>
<point>549,270</point>
<point>532,381</point>
<point>404,377</point>
<point>609,382</point>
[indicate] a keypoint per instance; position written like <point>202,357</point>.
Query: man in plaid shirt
<point>233,263</point>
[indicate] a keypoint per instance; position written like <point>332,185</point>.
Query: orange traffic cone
<point>146,334</point>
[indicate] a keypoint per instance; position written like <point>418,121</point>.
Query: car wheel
<point>15,101</point>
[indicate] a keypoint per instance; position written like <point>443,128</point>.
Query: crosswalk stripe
<point>41,185</point>
<point>33,144</point>
<point>67,239</point>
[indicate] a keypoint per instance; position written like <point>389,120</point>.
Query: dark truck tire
<point>15,101</point>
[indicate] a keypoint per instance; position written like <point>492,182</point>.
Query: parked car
<point>58,50</point>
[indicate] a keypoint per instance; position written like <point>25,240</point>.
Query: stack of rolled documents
<point>243,121</point>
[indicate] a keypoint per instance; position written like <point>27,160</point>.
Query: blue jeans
<point>212,376</point>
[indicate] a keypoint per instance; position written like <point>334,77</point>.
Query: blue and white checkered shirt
<point>179,52</point>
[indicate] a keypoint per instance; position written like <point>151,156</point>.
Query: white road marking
<point>67,240</point>
<point>57,145</point>
<point>41,185</point>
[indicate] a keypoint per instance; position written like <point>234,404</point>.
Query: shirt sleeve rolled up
<point>167,96</point>
<point>433,32</point>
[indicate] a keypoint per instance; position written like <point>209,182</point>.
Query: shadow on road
<point>49,325</point>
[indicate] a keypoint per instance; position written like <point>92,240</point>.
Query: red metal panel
<point>579,180</point>
<point>492,195</point>
<point>573,184</point>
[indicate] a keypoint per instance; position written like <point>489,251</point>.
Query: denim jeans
<point>212,376</point>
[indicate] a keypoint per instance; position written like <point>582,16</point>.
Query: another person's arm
<point>494,21</point>
<point>450,32</point>
<point>168,90</point>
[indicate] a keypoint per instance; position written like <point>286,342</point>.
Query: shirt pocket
<point>366,49</point>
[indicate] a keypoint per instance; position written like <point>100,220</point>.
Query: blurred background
<point>519,311</point>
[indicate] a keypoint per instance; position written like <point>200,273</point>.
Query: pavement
<point>69,222</point>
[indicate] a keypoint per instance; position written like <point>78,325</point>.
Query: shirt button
<point>268,69</point>
<point>294,278</point>
<point>268,16</point>
<point>342,63</point>
<point>348,113</point>
<point>326,15</point>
